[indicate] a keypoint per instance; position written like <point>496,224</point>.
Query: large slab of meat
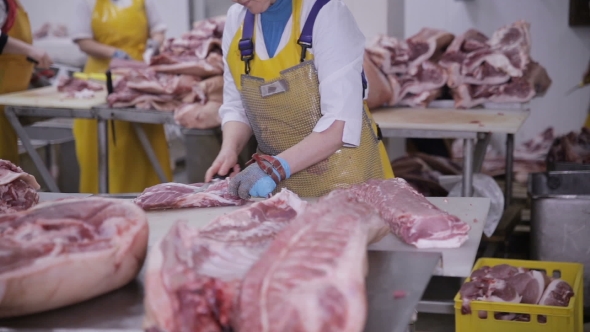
<point>77,88</point>
<point>404,72</point>
<point>494,70</point>
<point>312,276</point>
<point>18,190</point>
<point>178,195</point>
<point>506,283</point>
<point>411,217</point>
<point>193,275</point>
<point>64,252</point>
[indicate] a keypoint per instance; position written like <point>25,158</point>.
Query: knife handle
<point>109,82</point>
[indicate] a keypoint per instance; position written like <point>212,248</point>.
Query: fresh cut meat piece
<point>311,278</point>
<point>177,195</point>
<point>558,293</point>
<point>68,251</point>
<point>411,217</point>
<point>193,275</point>
<point>18,190</point>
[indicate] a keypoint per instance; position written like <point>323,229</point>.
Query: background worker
<point>107,29</point>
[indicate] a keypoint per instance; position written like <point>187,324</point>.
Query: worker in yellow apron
<point>285,98</point>
<point>15,72</point>
<point>123,30</point>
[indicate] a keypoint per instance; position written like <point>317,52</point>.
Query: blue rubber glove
<point>252,181</point>
<point>121,55</point>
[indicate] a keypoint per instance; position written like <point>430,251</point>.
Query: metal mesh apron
<point>283,111</point>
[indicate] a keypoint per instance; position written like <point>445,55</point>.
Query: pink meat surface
<point>177,195</point>
<point>193,276</point>
<point>312,276</point>
<point>410,215</point>
<point>18,190</point>
<point>68,251</point>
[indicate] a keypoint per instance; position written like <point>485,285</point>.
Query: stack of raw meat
<point>64,252</point>
<point>505,283</point>
<point>475,68</point>
<point>185,78</point>
<point>282,264</point>
<point>571,148</point>
<point>73,87</point>
<point>404,72</point>
<point>529,157</point>
<point>496,70</point>
<point>18,190</point>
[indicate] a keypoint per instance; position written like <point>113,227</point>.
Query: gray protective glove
<point>252,181</point>
<point>119,54</point>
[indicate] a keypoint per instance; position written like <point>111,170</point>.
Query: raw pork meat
<point>177,195</point>
<point>571,148</point>
<point>18,190</point>
<point>410,215</point>
<point>193,276</point>
<point>77,88</point>
<point>421,171</point>
<point>203,115</point>
<point>558,293</point>
<point>64,252</point>
<point>311,278</point>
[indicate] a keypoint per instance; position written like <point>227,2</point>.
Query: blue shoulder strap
<point>246,45</point>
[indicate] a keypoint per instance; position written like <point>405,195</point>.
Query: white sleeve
<point>3,13</point>
<point>154,19</point>
<point>232,108</point>
<point>338,48</point>
<point>82,21</point>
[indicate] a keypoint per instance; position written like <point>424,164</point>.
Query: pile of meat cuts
<point>18,190</point>
<point>73,87</point>
<point>172,195</point>
<point>64,252</point>
<point>571,148</point>
<point>283,264</point>
<point>185,78</point>
<point>475,68</point>
<point>505,283</point>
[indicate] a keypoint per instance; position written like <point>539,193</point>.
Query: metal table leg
<point>103,156</point>
<point>147,147</point>
<point>480,151</point>
<point>509,170</point>
<point>24,137</point>
<point>467,189</point>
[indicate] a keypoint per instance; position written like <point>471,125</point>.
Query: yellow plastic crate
<point>558,319</point>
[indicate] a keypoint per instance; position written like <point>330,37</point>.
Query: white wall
<point>372,19</point>
<point>174,12</point>
<point>564,51</point>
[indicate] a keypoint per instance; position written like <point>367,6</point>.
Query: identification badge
<point>273,88</point>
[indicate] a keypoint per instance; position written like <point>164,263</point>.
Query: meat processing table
<point>440,120</point>
<point>393,266</point>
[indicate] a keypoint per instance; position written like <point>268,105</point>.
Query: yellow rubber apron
<point>15,75</point>
<point>282,101</point>
<point>129,167</point>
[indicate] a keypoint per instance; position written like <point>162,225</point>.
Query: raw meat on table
<point>193,275</point>
<point>312,277</point>
<point>411,217</point>
<point>65,252</point>
<point>18,190</point>
<point>78,88</point>
<point>178,195</point>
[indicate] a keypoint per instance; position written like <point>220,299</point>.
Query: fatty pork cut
<point>193,276</point>
<point>18,190</point>
<point>312,277</point>
<point>64,252</point>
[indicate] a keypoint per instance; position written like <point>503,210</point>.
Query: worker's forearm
<point>235,136</point>
<point>96,49</point>
<point>314,148</point>
<point>159,37</point>
<point>15,46</point>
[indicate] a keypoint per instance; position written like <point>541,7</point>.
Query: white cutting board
<point>455,262</point>
<point>448,119</point>
<point>49,97</point>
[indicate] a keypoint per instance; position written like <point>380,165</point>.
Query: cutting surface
<point>49,97</point>
<point>470,120</point>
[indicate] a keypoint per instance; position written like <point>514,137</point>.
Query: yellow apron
<point>280,117</point>
<point>129,167</point>
<point>15,75</point>
<point>587,124</point>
